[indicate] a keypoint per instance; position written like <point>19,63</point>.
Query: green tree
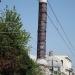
<point>14,59</point>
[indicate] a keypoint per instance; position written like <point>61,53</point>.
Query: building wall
<point>66,64</point>
<point>64,67</point>
<point>66,61</point>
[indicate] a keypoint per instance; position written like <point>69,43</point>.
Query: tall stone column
<point>42,21</point>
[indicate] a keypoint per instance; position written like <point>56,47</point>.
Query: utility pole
<point>52,67</point>
<point>42,21</point>
<point>69,72</point>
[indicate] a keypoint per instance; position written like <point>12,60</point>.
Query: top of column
<point>45,1</point>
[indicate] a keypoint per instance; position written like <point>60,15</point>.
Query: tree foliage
<point>14,59</point>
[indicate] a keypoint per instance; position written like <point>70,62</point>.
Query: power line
<point>10,32</point>
<point>65,41</point>
<point>59,33</point>
<point>59,23</point>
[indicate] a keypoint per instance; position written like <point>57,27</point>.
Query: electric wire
<point>61,36</point>
<point>59,23</point>
<point>65,41</point>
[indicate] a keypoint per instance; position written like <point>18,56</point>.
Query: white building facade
<point>60,63</point>
<point>55,65</point>
<point>66,66</point>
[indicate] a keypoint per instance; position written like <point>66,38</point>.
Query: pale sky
<point>65,11</point>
